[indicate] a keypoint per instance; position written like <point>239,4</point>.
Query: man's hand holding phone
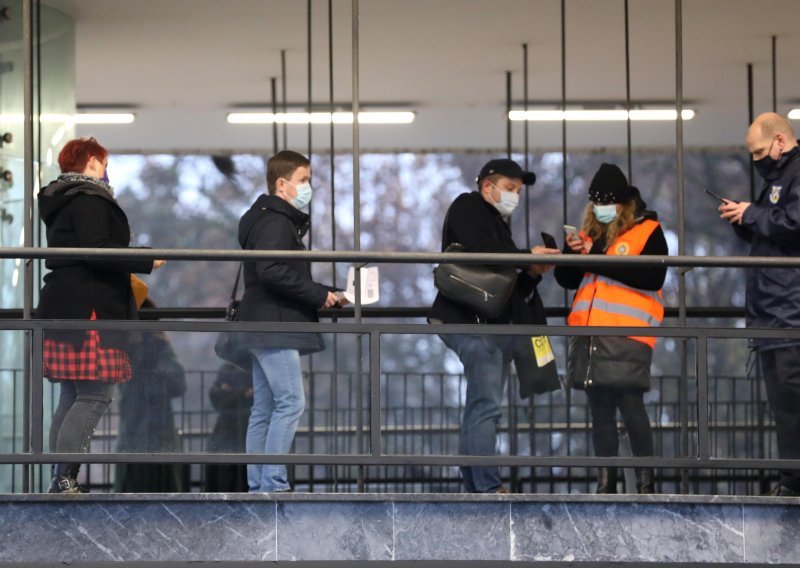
<point>550,247</point>
<point>730,209</point>
<point>733,211</point>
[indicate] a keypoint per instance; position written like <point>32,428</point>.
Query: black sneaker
<point>65,485</point>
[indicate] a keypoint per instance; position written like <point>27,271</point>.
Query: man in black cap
<point>478,221</point>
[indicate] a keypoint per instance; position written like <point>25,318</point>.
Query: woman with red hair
<point>79,210</point>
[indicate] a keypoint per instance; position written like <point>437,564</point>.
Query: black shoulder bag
<point>483,289</point>
<point>226,345</point>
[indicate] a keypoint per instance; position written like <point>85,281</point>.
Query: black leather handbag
<point>226,345</point>
<point>483,289</point>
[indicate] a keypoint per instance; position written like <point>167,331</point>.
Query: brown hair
<point>282,165</point>
<point>623,221</point>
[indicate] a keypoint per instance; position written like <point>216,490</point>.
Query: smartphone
<point>570,230</point>
<point>549,241</point>
<point>716,196</point>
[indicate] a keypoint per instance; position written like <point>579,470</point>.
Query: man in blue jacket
<point>772,227</point>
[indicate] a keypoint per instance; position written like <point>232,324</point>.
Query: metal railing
<point>371,447</point>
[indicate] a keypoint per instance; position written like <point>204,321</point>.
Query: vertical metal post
<point>564,109</point>
<point>513,429</point>
<point>335,374</point>
<point>750,118</point>
<point>312,391</point>
<point>564,209</point>
<point>774,74</point>
<point>309,71</point>
<point>283,97</point>
<point>703,425</point>
<point>357,237</point>
<point>274,94</point>
<point>376,447</point>
<point>526,147</point>
<point>761,433</point>
<point>30,404</point>
<point>332,131</point>
<point>628,93</point>
<point>684,387</point>
<point>356,159</point>
<point>508,110</point>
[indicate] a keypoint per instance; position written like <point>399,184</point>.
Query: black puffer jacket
<point>474,223</point>
<point>278,290</point>
<point>79,211</point>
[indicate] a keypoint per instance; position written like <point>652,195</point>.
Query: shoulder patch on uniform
<point>622,249</point>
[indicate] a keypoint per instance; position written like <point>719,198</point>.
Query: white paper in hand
<point>370,285</point>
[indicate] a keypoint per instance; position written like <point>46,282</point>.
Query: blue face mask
<point>304,194</point>
<point>605,213</point>
<point>105,175</point>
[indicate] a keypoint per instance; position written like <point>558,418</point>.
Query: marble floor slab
<point>384,527</point>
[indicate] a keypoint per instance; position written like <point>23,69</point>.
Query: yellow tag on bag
<point>542,350</point>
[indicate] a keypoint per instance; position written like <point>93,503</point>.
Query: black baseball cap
<point>507,168</point>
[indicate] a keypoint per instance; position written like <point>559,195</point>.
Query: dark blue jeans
<point>81,404</point>
<point>483,360</point>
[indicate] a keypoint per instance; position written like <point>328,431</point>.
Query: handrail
<point>385,312</point>
<point>378,257</point>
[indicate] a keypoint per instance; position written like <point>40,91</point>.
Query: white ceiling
<point>185,63</point>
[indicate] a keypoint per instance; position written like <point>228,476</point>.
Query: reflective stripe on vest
<point>603,301</point>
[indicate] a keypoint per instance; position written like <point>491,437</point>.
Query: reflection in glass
<point>146,421</point>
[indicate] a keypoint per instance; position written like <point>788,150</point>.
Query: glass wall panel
<point>12,404</point>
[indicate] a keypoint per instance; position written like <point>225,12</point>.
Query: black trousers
<point>781,371</point>
<point>604,402</point>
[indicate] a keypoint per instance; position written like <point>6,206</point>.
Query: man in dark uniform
<point>772,227</point>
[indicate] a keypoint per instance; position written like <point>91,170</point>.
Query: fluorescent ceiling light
<point>81,118</point>
<point>104,118</point>
<point>598,115</point>
<point>366,117</point>
<point>794,114</point>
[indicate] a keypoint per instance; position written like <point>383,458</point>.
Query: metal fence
<point>376,438</point>
<point>418,423</point>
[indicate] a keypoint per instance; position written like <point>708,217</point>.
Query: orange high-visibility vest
<point>604,301</point>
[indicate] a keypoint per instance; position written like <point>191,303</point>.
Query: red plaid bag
<point>62,361</point>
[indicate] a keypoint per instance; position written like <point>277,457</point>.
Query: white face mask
<point>304,194</point>
<point>508,201</point>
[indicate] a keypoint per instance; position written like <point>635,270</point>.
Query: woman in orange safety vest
<point>615,371</point>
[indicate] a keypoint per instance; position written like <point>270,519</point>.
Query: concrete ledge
<point>399,527</point>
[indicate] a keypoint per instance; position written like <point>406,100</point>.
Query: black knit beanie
<point>609,185</point>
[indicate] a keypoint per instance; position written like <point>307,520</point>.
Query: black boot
<point>65,479</point>
<point>61,484</point>
<point>606,480</point>
<point>645,484</point>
